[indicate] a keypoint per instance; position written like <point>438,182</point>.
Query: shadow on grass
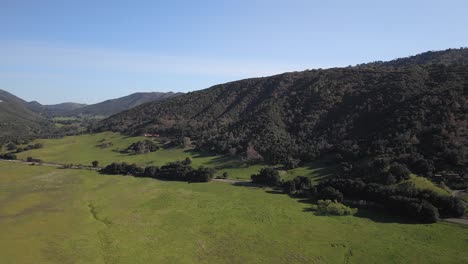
<point>381,216</point>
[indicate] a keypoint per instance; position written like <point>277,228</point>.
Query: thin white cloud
<point>43,55</point>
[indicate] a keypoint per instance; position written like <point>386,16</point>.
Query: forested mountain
<point>114,106</point>
<point>17,121</point>
<point>409,109</point>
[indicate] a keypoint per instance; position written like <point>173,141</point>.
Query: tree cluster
<point>175,171</point>
<point>267,176</point>
<point>141,147</point>
<point>29,147</point>
<point>8,156</point>
<point>403,199</point>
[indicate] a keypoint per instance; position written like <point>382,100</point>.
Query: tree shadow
<point>381,216</point>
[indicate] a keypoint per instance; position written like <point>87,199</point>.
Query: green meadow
<point>84,149</point>
<point>50,215</point>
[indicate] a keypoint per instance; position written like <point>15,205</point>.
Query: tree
<point>225,175</point>
<point>141,147</point>
<point>267,176</point>
<point>330,193</point>
<point>292,163</point>
<point>428,213</point>
<point>95,164</point>
<point>38,145</point>
<point>11,146</point>
<point>400,171</point>
<point>187,161</point>
<point>151,172</point>
<point>202,174</point>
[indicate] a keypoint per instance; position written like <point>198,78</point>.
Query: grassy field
<point>51,215</point>
<point>424,183</point>
<point>83,150</point>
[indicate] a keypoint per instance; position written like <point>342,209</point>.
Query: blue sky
<point>89,51</point>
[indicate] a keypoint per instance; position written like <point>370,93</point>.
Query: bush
<point>328,207</point>
<point>225,175</point>
<point>267,176</point>
<point>95,164</point>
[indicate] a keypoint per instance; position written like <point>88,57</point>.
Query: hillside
<point>17,121</point>
<point>114,106</point>
<point>415,113</point>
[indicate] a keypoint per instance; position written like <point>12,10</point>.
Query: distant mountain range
<point>54,110</point>
<point>106,108</point>
<point>114,106</point>
<point>21,119</point>
<point>414,108</point>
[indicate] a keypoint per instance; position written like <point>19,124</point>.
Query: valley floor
<point>50,215</point>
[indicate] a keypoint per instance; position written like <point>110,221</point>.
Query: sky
<point>89,51</point>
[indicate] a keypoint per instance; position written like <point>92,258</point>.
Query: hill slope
<point>114,106</point>
<point>417,111</point>
<point>17,121</point>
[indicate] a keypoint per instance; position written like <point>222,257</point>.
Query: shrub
<point>328,207</point>
<point>95,164</point>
